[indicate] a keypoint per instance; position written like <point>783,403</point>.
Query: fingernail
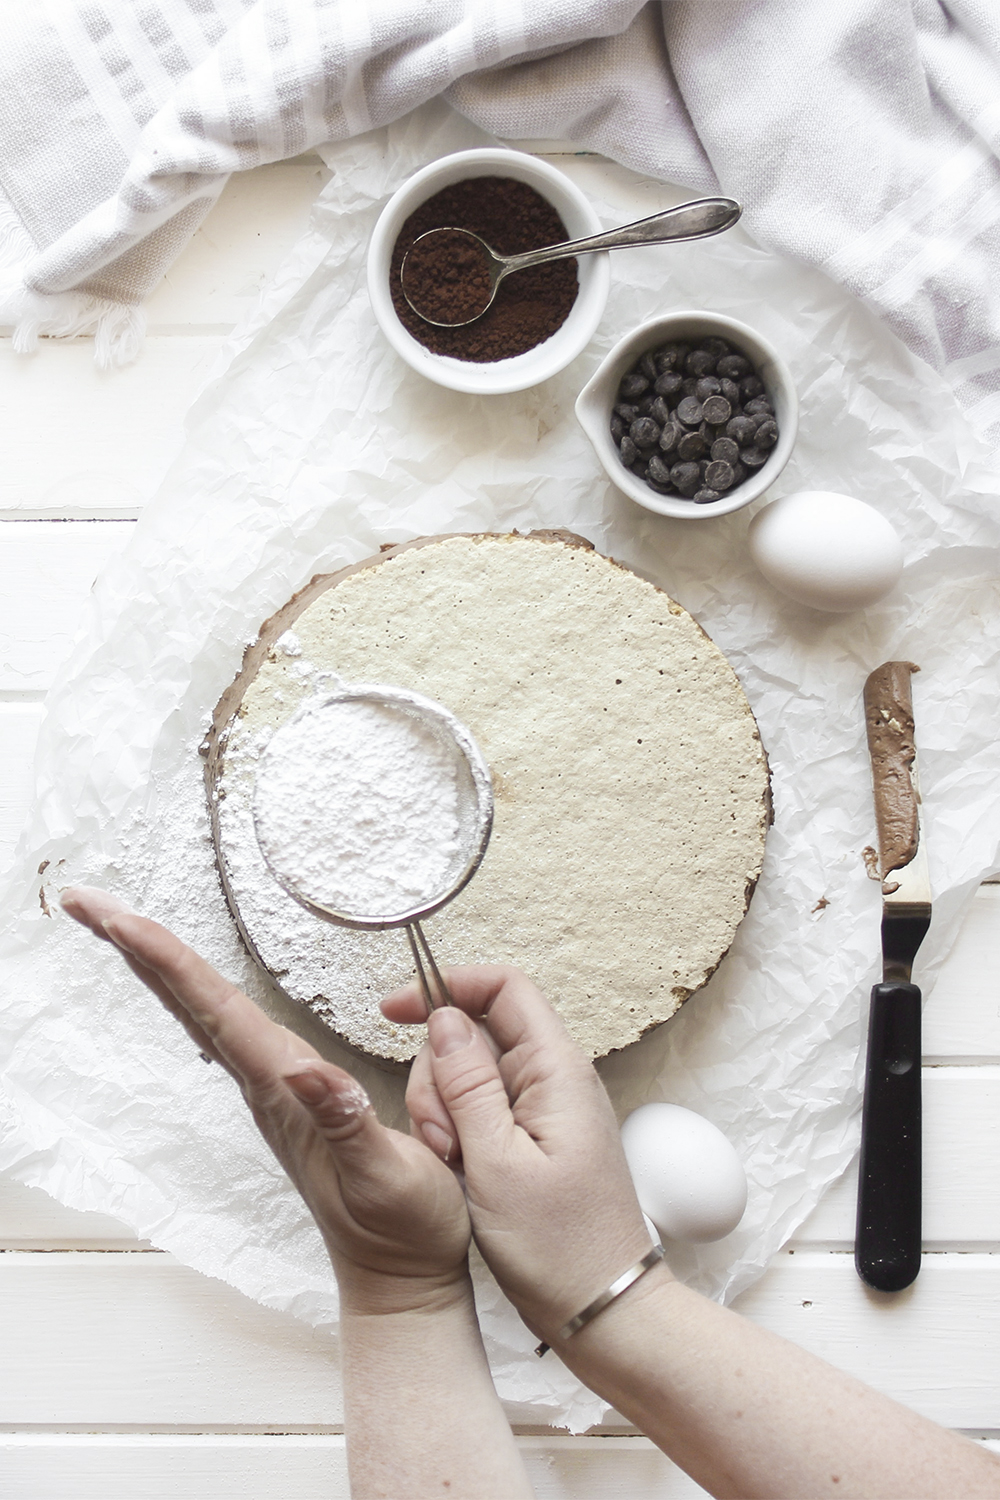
<point>439,1140</point>
<point>450,1030</point>
<point>75,899</point>
<point>344,1096</point>
<point>309,1086</point>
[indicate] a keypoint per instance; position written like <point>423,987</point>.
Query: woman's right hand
<point>552,1205</point>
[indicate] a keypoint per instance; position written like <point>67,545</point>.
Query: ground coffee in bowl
<point>530,305</point>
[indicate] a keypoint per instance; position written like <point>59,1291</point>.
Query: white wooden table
<point>124,1374</point>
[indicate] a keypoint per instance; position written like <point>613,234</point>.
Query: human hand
<point>391,1213</point>
<point>553,1209</point>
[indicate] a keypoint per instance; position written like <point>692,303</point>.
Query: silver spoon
<point>478,270</point>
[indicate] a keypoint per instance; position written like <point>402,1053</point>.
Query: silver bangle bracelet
<point>622,1284</point>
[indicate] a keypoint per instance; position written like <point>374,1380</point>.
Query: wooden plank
<point>112,1466</point>
<point>127,1340</point>
<point>961,1167</point>
<point>18,732</point>
<point>31,1220</point>
<point>138,1340</point>
<point>82,442</point>
<point>962,1014</point>
<point>933,1347</point>
<point>48,568</point>
<point>300,1467</point>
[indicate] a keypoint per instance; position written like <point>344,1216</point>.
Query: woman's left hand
<point>391,1212</point>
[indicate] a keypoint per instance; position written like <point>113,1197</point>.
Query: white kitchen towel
<point>861,136</point>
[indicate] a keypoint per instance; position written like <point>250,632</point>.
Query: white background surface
<point>126,1374</point>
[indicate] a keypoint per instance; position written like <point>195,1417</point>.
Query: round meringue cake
<point>631,786</point>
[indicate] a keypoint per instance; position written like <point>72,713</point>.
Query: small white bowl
<point>545,359</point>
<point>594,403</point>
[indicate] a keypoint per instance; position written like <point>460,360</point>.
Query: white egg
<point>826,550</point>
<point>689,1181</point>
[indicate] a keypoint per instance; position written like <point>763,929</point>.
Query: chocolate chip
<point>705,496</point>
<point>766,435</point>
<point>669,383</point>
<point>671,435</point>
<point>717,410</point>
<point>644,432</point>
<point>628,450</point>
<point>617,428</point>
<point>707,386</point>
<point>733,366</point>
<point>689,411</point>
<point>627,411</point>
<point>701,362</point>
<point>719,475</point>
<point>691,445</point>
<point>751,386</point>
<point>660,411</point>
<point>757,405</point>
<point>732,392</point>
<point>647,366</point>
<point>753,457</point>
<point>739,474</point>
<point>725,449</point>
<point>633,384</point>
<point>741,430</point>
<point>671,356</point>
<point>686,478</point>
<point>658,472</point>
<point>718,347</point>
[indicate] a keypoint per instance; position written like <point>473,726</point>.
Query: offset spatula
<point>887,1242</point>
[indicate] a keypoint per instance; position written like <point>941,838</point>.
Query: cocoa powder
<point>447,275</point>
<point>530,305</point>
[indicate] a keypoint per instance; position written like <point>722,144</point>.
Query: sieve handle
<point>415,933</point>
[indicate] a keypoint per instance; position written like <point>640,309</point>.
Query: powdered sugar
<point>357,808</point>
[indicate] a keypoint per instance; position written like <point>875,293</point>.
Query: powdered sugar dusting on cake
<point>357,808</point>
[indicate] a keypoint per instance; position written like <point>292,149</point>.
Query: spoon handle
<point>688,221</point>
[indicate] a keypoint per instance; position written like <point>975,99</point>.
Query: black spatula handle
<point>887,1244</point>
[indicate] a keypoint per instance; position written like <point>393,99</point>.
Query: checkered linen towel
<point>862,136</point>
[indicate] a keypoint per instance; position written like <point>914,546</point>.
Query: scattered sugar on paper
<point>357,808</point>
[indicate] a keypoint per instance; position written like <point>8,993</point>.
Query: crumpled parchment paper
<point>313,446</point>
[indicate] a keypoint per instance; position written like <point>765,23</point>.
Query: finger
<point>406,1006</point>
<point>371,1169</point>
<point>252,1045</point>
<point>335,1101</point>
<point>514,1009</point>
<point>91,908</point>
<point>202,1040</point>
<point>469,1084</point>
<point>431,1121</point>
<point>473,986</point>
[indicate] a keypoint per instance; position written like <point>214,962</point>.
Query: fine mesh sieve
<point>473,810</point>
